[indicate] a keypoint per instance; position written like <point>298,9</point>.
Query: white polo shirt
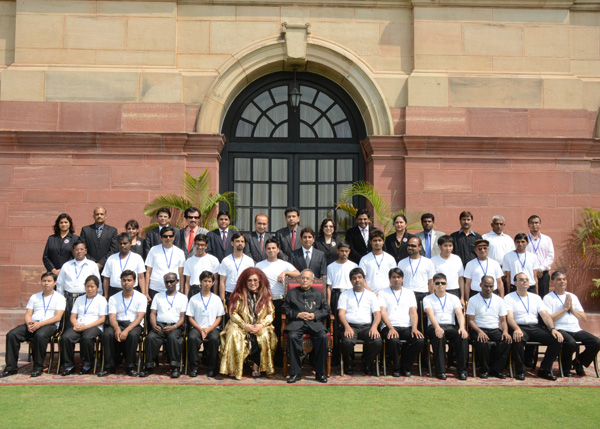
<point>417,273</point>
<point>487,312</point>
<point>194,266</point>
<point>205,310</point>
<point>517,263</point>
<point>163,261</point>
<point>115,266</point>
<point>90,310</point>
<point>359,306</point>
<point>377,269</point>
<point>568,322</point>
<point>168,309</point>
<point>452,268</point>
<point>272,270</point>
<point>232,268</point>
<point>525,310</point>
<point>476,269</point>
<point>127,309</point>
<point>500,245</point>
<point>398,305</point>
<point>444,309</point>
<point>45,308</point>
<point>73,274</point>
<point>338,275</point>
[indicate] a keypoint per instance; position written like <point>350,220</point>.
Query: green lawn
<point>284,406</point>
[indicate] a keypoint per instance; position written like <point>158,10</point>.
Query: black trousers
<point>403,357</point>
<point>173,341</point>
<point>455,292</point>
<point>491,356</point>
<point>451,336</point>
<point>70,300</point>
<point>129,347</point>
<point>422,316</point>
<point>541,335</point>
<point>211,348</point>
<point>194,289</point>
<point>87,340</point>
<point>371,346</point>
<point>39,343</point>
<point>278,304</point>
<point>318,354</point>
<point>544,284</point>
<point>569,346</point>
<point>338,329</point>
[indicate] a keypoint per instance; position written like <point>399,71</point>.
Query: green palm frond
<point>166,200</point>
<point>348,208</point>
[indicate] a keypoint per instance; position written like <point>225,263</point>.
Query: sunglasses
<point>168,236</point>
<point>170,282</point>
<point>440,283</point>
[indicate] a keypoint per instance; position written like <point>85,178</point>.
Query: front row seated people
<point>126,311</point>
<point>42,318</point>
<point>360,314</point>
<point>167,318</point>
<point>205,312</point>
<point>249,336</point>
<point>443,310</point>
<point>87,323</point>
<point>306,309</point>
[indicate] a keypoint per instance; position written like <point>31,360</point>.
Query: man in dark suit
<point>219,240</point>
<point>256,241</point>
<point>163,216</point>
<point>289,237</point>
<point>306,308</point>
<point>187,234</point>
<point>100,238</point>
<point>309,257</point>
<point>358,236</point>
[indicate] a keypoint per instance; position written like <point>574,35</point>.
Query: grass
<point>308,406</point>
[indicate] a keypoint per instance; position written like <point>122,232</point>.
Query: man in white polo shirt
<point>400,322</point>
<point>194,266</point>
<point>451,266</point>
<point>486,316</point>
<point>167,317</point>
<point>521,261</point>
<point>500,243</point>
<point>541,245</point>
<point>360,315</point>
<point>232,266</point>
<point>482,266</point>
<point>123,260</point>
<point>377,263</point>
<point>162,259</point>
<point>205,311</point>
<point>443,311</point>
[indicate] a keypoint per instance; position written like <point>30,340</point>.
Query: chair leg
<point>511,370</point>
<point>377,365</point>
<point>341,365</point>
<point>596,366</point>
<point>384,360</point>
<point>428,351</point>
<point>52,340</point>
<point>560,368</point>
<point>474,361</point>
<point>328,367</point>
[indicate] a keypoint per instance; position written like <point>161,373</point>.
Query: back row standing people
<point>153,237</point>
<point>100,238</point>
<point>59,247</point>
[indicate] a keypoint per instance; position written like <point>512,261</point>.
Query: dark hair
<point>48,274</point>
<point>166,229</point>
<point>272,240</point>
<point>532,217</point>
<point>237,235</point>
<point>321,234</point>
<point>375,233</point>
<point>445,239</point>
<point>190,210</point>
<point>128,273</point>
<point>402,216</point>
<point>427,216</point>
<point>94,279</point>
<point>206,274</point>
<point>343,243</point>
<point>307,230</point>
<point>465,214</point>
<point>132,223</point>
<point>395,271</point>
<point>164,210</point>
<point>356,271</point>
<point>417,238</point>
<point>438,276</point>
<point>521,236</point>
<point>241,290</point>
<point>57,221</point>
<point>291,209</point>
<point>224,213</point>
<point>363,212</point>
<point>518,274</point>
<point>201,237</point>
<point>78,242</point>
<point>124,236</point>
<point>557,273</point>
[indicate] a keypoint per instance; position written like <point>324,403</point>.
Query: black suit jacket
<point>252,248</point>
<point>398,251</point>
<point>358,248</point>
<point>215,244</point>
<point>285,240</point>
<point>100,248</point>
<point>310,301</point>
<point>153,238</point>
<point>57,252</point>
<point>318,261</point>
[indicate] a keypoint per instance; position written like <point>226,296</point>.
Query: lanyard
<point>237,267</point>
<point>80,271</point>
<point>165,253</point>
<point>380,262</point>
<point>126,307</point>
<point>397,299</point>
<point>206,305</point>
<point>86,306</point>
<point>490,303</point>
<point>486,266</point>
<point>524,260</point>
<point>446,298</point>
<point>535,249</point>
<point>46,307</point>
<point>526,308</point>
<point>416,269</point>
<point>129,254</point>
<point>359,300</point>
<point>561,301</point>
<point>171,302</point>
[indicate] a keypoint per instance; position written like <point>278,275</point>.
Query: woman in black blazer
<point>395,243</point>
<point>59,246</point>
<point>132,227</point>
<point>327,240</point>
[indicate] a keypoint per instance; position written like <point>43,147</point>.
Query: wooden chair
<point>307,346</point>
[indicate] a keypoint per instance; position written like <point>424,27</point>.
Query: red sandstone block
<point>28,115</point>
<point>522,200</point>
<point>11,195</point>
<point>450,181</point>
<point>50,159</point>
<point>191,116</point>
<point>154,117</point>
<point>37,233</point>
<point>578,201</point>
<point>10,319</point>
<point>137,178</point>
<point>178,161</point>
<point>538,164</point>
<point>6,176</point>
<point>171,177</point>
<point>497,122</point>
<point>88,116</point>
<point>11,234</point>
<point>573,165</point>
<point>466,200</point>
<point>586,183</point>
<point>399,119</point>
<point>81,213</point>
<point>3,214</point>
<point>423,163</point>
<point>30,281</point>
<point>417,200</point>
<point>557,219</point>
<point>512,182</point>
<point>5,253</point>
<point>123,212</point>
<point>118,196</point>
<point>50,177</point>
<point>481,164</point>
<point>436,121</point>
<point>130,161</point>
<point>33,214</point>
<point>15,159</point>
<point>52,196</point>
<point>28,253</point>
<point>10,286</point>
<point>561,123</point>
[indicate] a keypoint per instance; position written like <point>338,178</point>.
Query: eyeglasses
<point>167,236</point>
<point>440,283</point>
<point>523,279</point>
<point>170,282</point>
<point>193,217</point>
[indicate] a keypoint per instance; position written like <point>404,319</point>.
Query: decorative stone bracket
<point>296,39</point>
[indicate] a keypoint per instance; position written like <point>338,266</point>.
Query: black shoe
<point>36,373</point>
<point>85,371</point>
<point>348,370</point>
<point>321,378</point>
<point>405,373</point>
<point>546,375</point>
<point>8,373</point>
<point>131,372</point>
<point>106,372</point>
<point>498,374</point>
<point>211,373</point>
<point>69,371</point>
<point>579,369</point>
<point>175,372</point>
<point>396,374</point>
<point>145,372</point>
<point>193,373</point>
<point>520,376</point>
<point>293,379</point>
<point>483,375</point>
<point>369,370</point>
<point>441,376</point>
<point>462,376</point>
<point>567,374</point>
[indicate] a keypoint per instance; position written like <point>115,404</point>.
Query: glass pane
<point>241,166</point>
<point>308,94</point>
<point>260,171</point>
<point>321,215</point>
<point>251,113</point>
<point>279,170</point>
<point>306,132</point>
<point>323,129</point>
<point>260,195</point>
<point>307,170</point>
<point>336,114</point>
<point>343,220</point>
<point>343,130</point>
<point>278,195</point>
<point>326,196</point>
<point>277,219</point>
<point>278,113</point>
<point>339,189</point>
<point>263,128</point>
<point>244,129</point>
<point>307,195</point>
<point>323,102</point>
<point>307,218</point>
<point>309,114</point>
<point>326,170</point>
<point>243,220</point>
<point>281,131</point>
<point>243,193</point>
<point>280,94</point>
<point>264,100</point>
<point>344,170</point>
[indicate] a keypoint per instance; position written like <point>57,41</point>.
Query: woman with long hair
<point>249,336</point>
<point>59,247</point>
<point>326,240</point>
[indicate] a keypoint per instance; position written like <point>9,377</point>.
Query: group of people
<point>398,290</point>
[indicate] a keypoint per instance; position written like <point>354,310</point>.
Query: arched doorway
<point>276,156</point>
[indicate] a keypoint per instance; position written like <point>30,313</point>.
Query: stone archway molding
<point>322,57</point>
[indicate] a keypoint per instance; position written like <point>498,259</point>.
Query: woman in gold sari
<point>249,335</point>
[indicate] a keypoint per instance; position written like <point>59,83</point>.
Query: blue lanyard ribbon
<point>488,304</point>
<point>80,271</point>
<point>524,260</point>
<point>486,266</point>
<point>561,301</point>
<point>528,306</point>
<point>446,298</point>
<point>129,254</point>
<point>237,267</point>
<point>358,300</point>
<point>397,299</point>
<point>86,306</point>
<point>171,302</point>
<point>127,307</point>
<point>535,249</point>
<point>206,305</point>
<point>416,269</point>
<point>44,303</point>
<point>165,253</point>
<point>380,262</point>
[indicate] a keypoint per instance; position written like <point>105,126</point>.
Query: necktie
<point>261,243</point>
<point>307,258</point>
<point>293,239</point>
<point>98,232</point>
<point>428,245</point>
<point>191,241</point>
<point>224,239</point>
